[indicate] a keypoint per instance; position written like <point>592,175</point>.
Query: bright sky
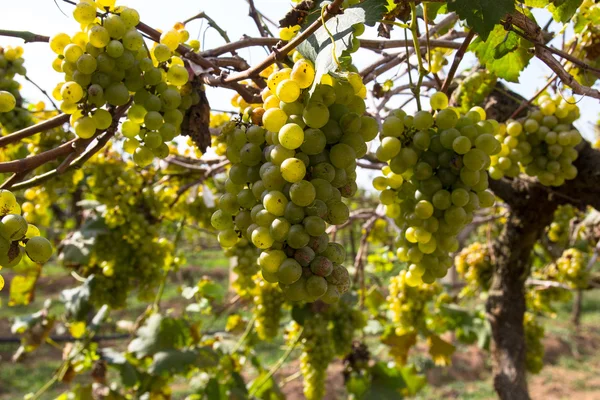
<point>44,17</point>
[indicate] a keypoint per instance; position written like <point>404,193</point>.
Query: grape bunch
<point>435,180</point>
<point>473,90</point>
<point>17,237</point>
<point>246,266</point>
<point>572,268</point>
<point>108,61</point>
<point>316,344</point>
<point>542,144</point>
<point>288,178</point>
<point>559,229</point>
<point>473,264</point>
<point>13,116</point>
<point>268,303</point>
<point>408,302</point>
<point>534,333</point>
<point>345,321</point>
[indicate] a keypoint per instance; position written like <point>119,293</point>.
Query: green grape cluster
<point>13,116</point>
<point>17,237</point>
<point>474,89</point>
<point>316,344</point>
<point>559,229</point>
<point>534,333</point>
<point>268,303</point>
<point>542,144</point>
<point>408,302</point>
<point>129,253</point>
<point>345,321</point>
<point>572,268</point>
<point>473,264</point>
<point>246,266</point>
<point>438,60</point>
<point>435,180</point>
<point>108,61</point>
<point>288,178</point>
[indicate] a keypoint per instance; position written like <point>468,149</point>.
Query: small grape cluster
<point>345,321</point>
<point>572,268</point>
<point>289,176</point>
<point>268,303</point>
<point>534,333</point>
<point>129,253</point>
<point>559,229</point>
<point>246,266</point>
<point>474,266</point>
<point>108,60</point>
<point>17,237</point>
<point>317,348</point>
<point>474,89</point>
<point>407,302</point>
<point>435,179</point>
<point>542,144</point>
<point>13,116</point>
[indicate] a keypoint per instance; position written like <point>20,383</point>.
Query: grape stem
<point>43,92</point>
<point>281,53</point>
<point>28,37</point>
<point>211,23</point>
<point>258,17</point>
<point>532,32</point>
<point>457,60</point>
<point>414,28</point>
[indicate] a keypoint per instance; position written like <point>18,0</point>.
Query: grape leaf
<point>129,375</point>
<point>392,382</point>
<point>159,333</point>
<point>268,390</point>
<point>374,10</point>
<point>565,10</point>
<point>440,350</point>
<point>22,289</point>
<point>319,47</point>
<point>537,3</point>
<point>500,56</point>
<point>399,344</point>
<point>481,15</point>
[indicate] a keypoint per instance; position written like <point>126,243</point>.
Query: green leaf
<point>319,47</point>
<point>77,300</point>
<point>392,383</point>
<point>563,10</point>
<point>22,289</point>
<point>268,390</point>
<point>500,56</point>
<point>481,15</point>
<point>172,362</point>
<point>435,9</point>
<point>508,45</point>
<point>159,333</point>
<point>537,3</point>
<point>374,10</point>
<point>128,373</point>
<point>399,344</point>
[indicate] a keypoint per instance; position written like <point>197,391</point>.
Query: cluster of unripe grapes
<point>316,344</point>
<point>559,229</point>
<point>542,144</point>
<point>407,302</point>
<point>268,303</point>
<point>435,180</point>
<point>108,61</point>
<point>474,266</point>
<point>246,266</point>
<point>13,116</point>
<point>17,237</point>
<point>473,89</point>
<point>288,178</point>
<point>534,333</point>
<point>572,268</point>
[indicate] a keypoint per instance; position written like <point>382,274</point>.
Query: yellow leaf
<point>1,282</point>
<point>440,350</point>
<point>399,344</point>
<point>22,289</point>
<point>77,329</point>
